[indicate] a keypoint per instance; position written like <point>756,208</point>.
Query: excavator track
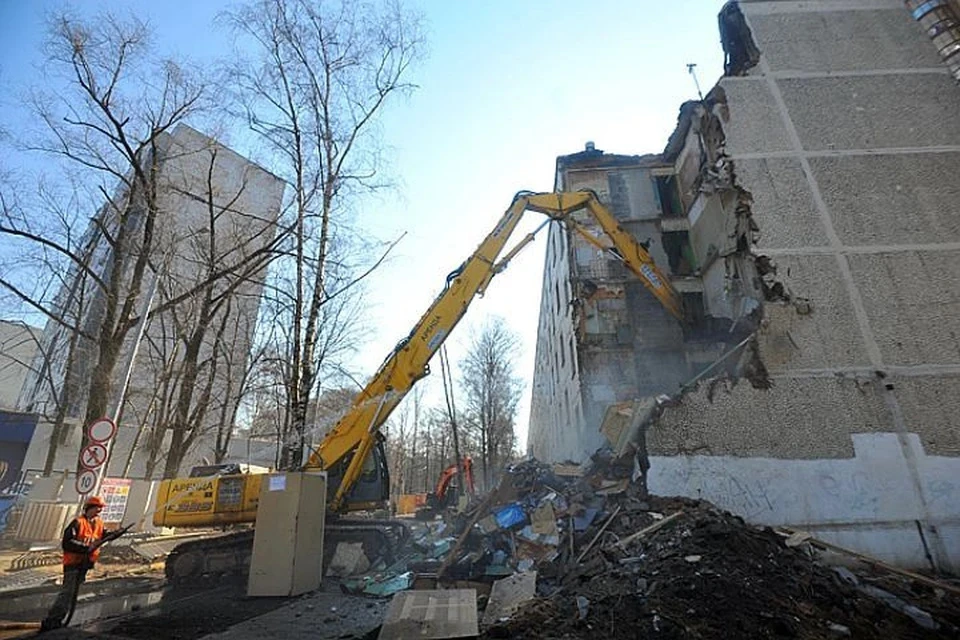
<point>229,555</point>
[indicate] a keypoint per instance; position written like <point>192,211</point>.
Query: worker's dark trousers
<point>73,577</point>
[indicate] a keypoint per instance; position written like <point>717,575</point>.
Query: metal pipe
<point>941,20</point>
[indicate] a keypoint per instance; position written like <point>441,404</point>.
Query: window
<point>669,196</point>
<point>573,359</point>
<point>676,244</point>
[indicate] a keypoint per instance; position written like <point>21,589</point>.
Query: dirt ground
<point>126,597</point>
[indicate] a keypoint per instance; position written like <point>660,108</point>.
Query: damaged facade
<point>807,211</point>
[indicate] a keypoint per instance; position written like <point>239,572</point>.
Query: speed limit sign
<point>86,481</point>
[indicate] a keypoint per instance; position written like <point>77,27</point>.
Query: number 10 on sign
<point>86,481</point>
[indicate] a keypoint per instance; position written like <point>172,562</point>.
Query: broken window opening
<point>668,193</point>
<point>739,49</point>
<point>680,256</point>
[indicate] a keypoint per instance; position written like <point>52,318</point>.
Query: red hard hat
<point>94,501</point>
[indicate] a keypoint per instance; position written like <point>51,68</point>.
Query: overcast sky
<point>508,86</point>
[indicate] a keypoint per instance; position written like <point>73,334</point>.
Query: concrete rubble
<point>573,556</point>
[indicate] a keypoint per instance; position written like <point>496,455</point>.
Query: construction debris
<point>507,596</point>
<point>602,556</point>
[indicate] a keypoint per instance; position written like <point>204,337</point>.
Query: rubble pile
<point>566,552</point>
<point>610,559</point>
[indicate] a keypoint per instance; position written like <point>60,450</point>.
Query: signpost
<point>94,455</point>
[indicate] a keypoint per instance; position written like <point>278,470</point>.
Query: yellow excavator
<point>353,453</point>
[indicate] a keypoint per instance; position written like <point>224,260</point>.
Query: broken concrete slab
<point>623,420</point>
<point>348,560</point>
<point>508,594</point>
<point>429,614</point>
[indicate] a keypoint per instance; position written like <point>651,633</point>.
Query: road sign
<point>101,430</point>
<point>93,455</point>
<point>86,481</point>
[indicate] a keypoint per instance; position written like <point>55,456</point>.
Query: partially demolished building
<point>807,210</point>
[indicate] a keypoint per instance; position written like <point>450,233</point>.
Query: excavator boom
<point>350,443</point>
<point>408,363</point>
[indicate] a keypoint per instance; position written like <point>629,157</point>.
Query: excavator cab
<point>372,489</point>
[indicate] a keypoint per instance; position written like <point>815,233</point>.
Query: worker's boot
<point>49,624</point>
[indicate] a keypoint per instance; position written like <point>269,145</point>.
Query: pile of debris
<point>561,552</point>
<point>593,553</point>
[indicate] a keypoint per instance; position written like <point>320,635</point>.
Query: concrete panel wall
<point>883,112</point>
<point>930,407</point>
<point>784,208</point>
<point>757,126</point>
<point>800,417</point>
<point>906,198</point>
<point>847,136</point>
<point>842,40</point>
<point>912,301</point>
<point>829,335</point>
<point>556,407</point>
<point>872,501</point>
<point>18,343</point>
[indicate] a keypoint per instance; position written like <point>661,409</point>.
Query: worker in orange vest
<point>81,548</point>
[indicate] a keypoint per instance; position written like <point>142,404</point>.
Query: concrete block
<point>868,502</point>
<point>912,304</point>
<point>755,124</point>
<point>632,194</point>
<point>783,204</point>
<point>873,112</point>
<point>829,336</point>
<point>288,542</point>
<point>930,407</point>
<point>898,544</point>
<point>891,199</point>
<point>842,41</point>
<point>797,418</point>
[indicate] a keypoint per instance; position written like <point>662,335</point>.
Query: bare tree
<point>220,314</point>
<point>492,393</point>
<point>107,122</point>
<point>323,72</point>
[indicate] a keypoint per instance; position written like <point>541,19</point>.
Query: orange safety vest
<point>90,532</point>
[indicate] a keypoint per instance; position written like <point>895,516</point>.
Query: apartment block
<point>807,210</point>
<point>203,186</point>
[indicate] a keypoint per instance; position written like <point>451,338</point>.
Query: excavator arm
<point>355,433</point>
<point>448,474</point>
<point>346,450</point>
